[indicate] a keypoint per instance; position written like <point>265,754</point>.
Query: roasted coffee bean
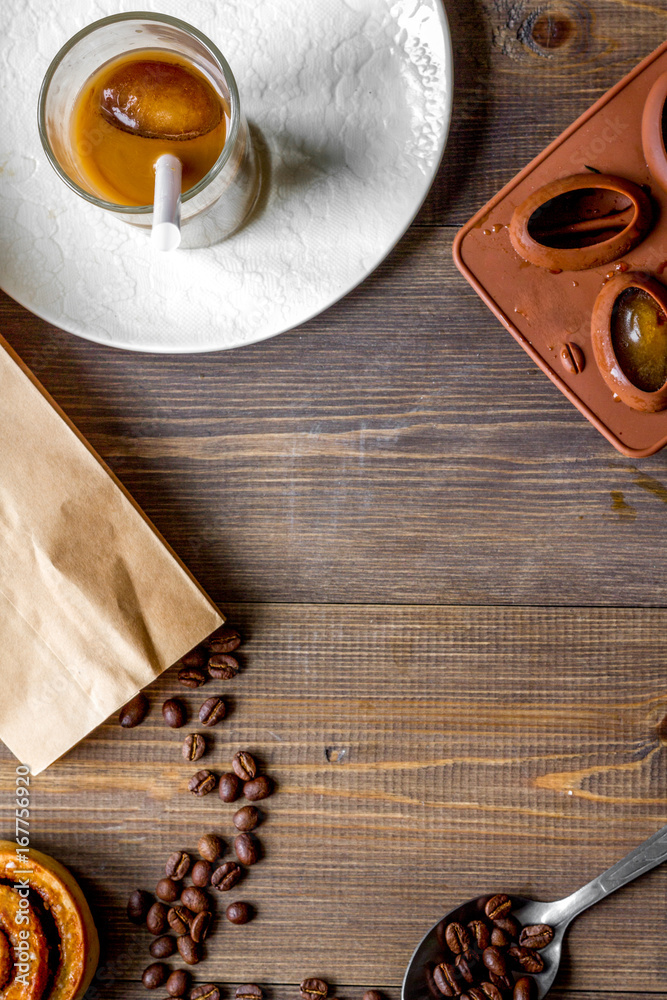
<point>457,938</point>
<point>247,849</point>
<point>243,764</point>
<point>196,899</point>
<point>201,873</point>
<point>189,950</point>
<point>258,788</point>
<point>239,912</point>
<point>178,983</point>
<point>194,746</point>
<point>476,993</point>
<point>156,919</point>
<point>179,918</point>
<point>503,983</point>
<point>209,991</point>
<point>163,946</point>
<point>372,995</point>
<point>134,713</point>
<point>168,890</point>
<point>202,783</point>
<point>495,960</point>
<point>195,658</point>
<point>490,991</point>
<point>212,712</point>
<point>526,958</point>
<point>246,819</point>
<point>525,989</point>
<point>536,936</point>
<point>200,926</point>
<point>480,933</point>
<point>155,975</point>
<point>229,787</point>
<point>211,846</point>
<point>447,980</point>
<point>463,966</point>
<point>192,677</point>
<point>224,640</point>
<point>138,906</point>
<point>222,668</point>
<point>226,876</point>
<point>313,989</point>
<point>508,924</point>
<point>173,712</point>
<point>500,938</point>
<point>248,992</point>
<point>178,865</point>
<point>498,906</point>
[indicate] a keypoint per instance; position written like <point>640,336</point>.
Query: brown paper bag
<point>93,603</point>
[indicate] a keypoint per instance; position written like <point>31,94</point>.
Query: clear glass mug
<point>221,201</point>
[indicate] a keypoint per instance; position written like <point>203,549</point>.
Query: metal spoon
<point>558,914</point>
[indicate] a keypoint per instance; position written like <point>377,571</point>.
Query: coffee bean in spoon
<point>159,100</point>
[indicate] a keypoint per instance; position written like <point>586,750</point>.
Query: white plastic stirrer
<point>166,231</point>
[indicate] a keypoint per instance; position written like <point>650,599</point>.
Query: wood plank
<point>422,756</point>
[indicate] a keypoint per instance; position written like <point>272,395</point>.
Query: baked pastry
<point>49,947</point>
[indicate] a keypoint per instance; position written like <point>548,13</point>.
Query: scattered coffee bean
<point>500,938</point>
<point>192,677</point>
<point>525,989</point>
<point>247,849</point>
<point>201,873</point>
<point>138,906</point>
<point>155,975</point>
<point>156,919</point>
<point>239,913</point>
<point>446,978</point>
<point>178,865</point>
<point>179,918</point>
<point>168,890</point>
<point>163,947</point>
<point>189,950</point>
<point>509,925</point>
<point>222,668</point>
<point>195,658</point>
<point>202,783</point>
<point>195,899</point>
<point>178,983</point>
<point>226,876</point>
<point>134,713</point>
<point>372,995</point>
<point>229,787</point>
<point>173,711</point>
<point>194,746</point>
<point>258,788</point>
<point>211,846</point>
<point>243,764</point>
<point>481,934</point>
<point>536,936</point>
<point>206,992</point>
<point>495,960</point>
<point>498,906</point>
<point>246,819</point>
<point>313,989</point>
<point>457,938</point>
<point>490,991</point>
<point>463,968</point>
<point>212,712</point>
<point>200,926</point>
<point>248,992</point>
<point>526,959</point>
<point>225,640</point>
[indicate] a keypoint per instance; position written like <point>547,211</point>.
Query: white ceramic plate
<point>353,100</point>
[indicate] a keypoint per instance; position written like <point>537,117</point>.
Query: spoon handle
<point>649,854</point>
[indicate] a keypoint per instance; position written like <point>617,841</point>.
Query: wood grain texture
<point>422,756</point>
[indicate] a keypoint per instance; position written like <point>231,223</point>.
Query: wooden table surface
<point>452,590</point>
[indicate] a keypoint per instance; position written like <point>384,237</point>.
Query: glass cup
<point>219,203</point>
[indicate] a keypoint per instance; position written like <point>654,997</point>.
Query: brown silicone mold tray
<point>547,300</point>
